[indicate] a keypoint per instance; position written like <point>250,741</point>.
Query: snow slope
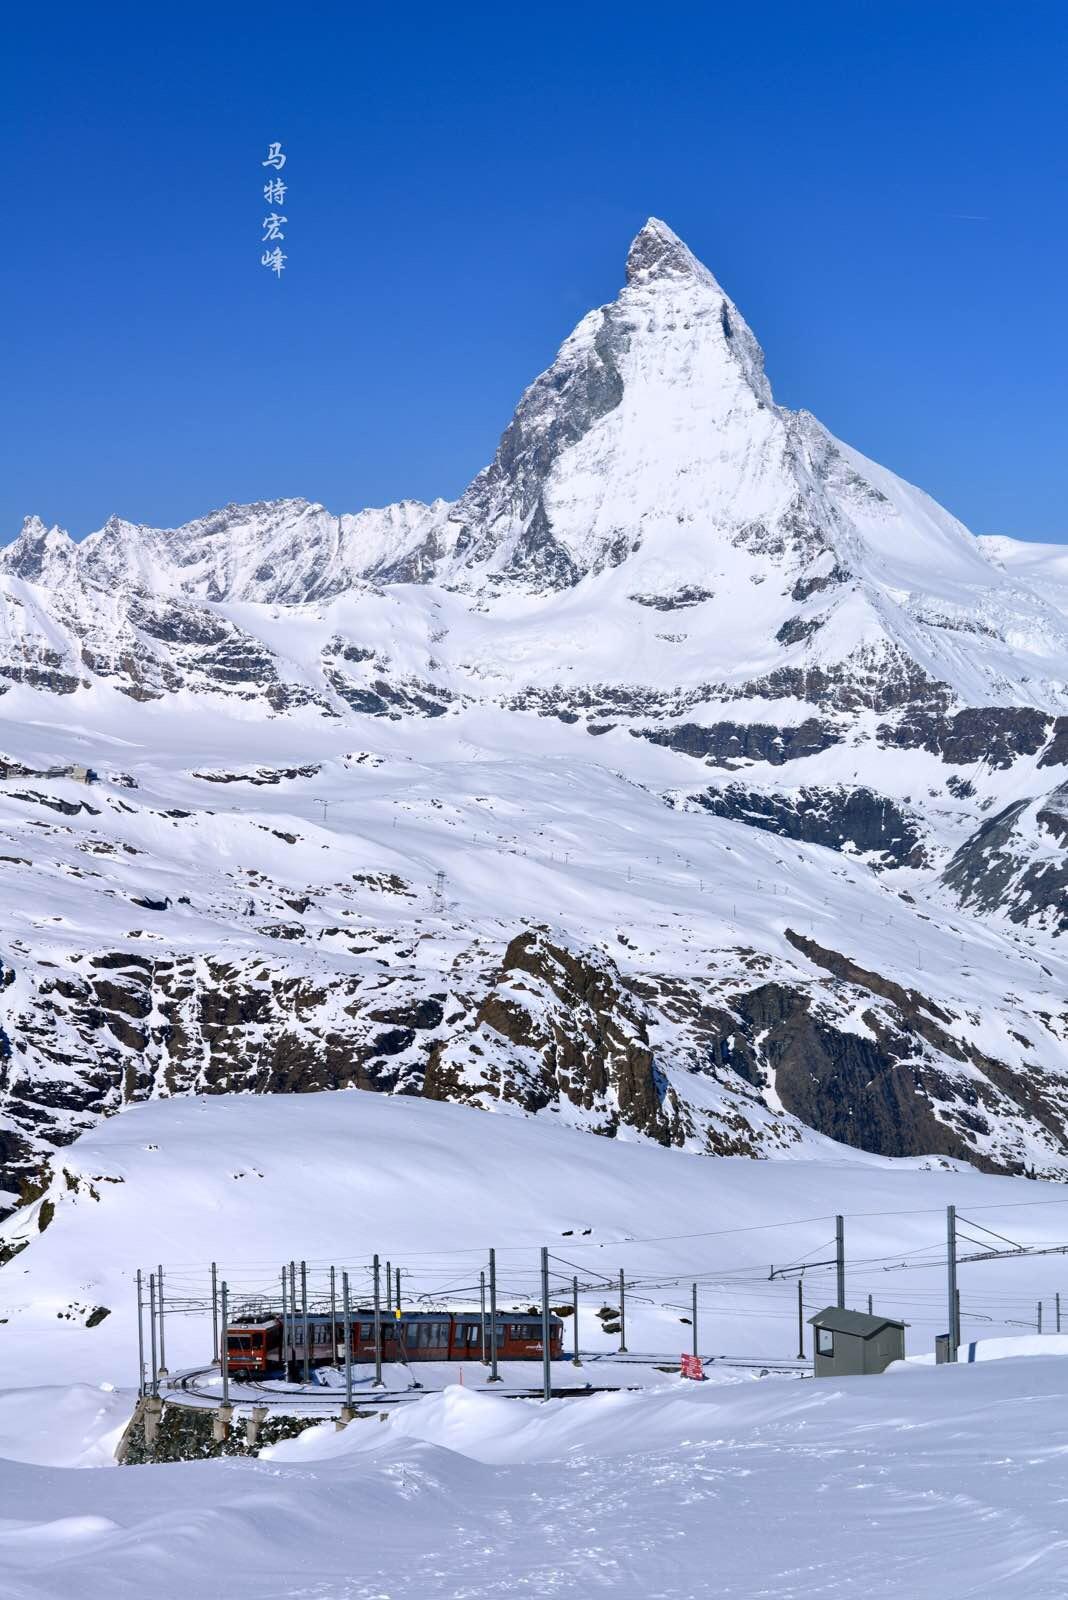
<point>252,1182</point>
<point>769,1486</point>
<point>737,753</point>
<point>944,1483</point>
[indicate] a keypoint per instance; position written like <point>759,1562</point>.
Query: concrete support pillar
<point>220,1427</point>
<point>151,1417</point>
<point>253,1423</point>
<point>348,1414</point>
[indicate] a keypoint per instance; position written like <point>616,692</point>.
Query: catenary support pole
<point>140,1339</point>
<point>693,1317</point>
<point>870,1313</point>
<point>291,1365</point>
<point>348,1338</point>
<point>377,1270</point>
<point>389,1286</point>
<point>839,1257</point>
<point>800,1319</point>
<point>162,1343</point>
<point>546,1354</point>
<point>1039,1323</point>
<point>396,1296</point>
<point>333,1317</point>
<point>622,1314</point>
<point>304,1319</point>
<point>951,1279</point>
<point>214,1313</point>
<point>482,1312</point>
<point>576,1359</point>
<point>494,1376</point>
<point>285,1317</point>
<point>152,1330</point>
<point>1057,1304</point>
<point>225,1359</point>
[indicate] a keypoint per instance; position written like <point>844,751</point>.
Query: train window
<point>367,1330</point>
<point>236,1341</point>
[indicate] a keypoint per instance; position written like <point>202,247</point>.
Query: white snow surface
<point>771,1486</point>
<point>252,1182</point>
<point>928,1485</point>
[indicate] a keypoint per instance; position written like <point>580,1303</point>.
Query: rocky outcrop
<point>680,599</point>
<point>857,820</point>
<point>912,1068</point>
<point>558,1028</point>
<point>1016,864</point>
<point>121,1027</point>
<point>996,735</point>
<point>732,744</point>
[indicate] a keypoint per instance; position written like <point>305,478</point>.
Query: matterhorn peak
<point>658,252</point>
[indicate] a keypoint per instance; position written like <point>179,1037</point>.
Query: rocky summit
<point>689,779</point>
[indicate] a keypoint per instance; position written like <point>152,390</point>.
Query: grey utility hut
<point>852,1343</point>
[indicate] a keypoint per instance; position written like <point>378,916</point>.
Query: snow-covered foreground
<point>925,1482</point>
<point>740,1487</point>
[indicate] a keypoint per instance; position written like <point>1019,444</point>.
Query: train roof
<point>388,1316</point>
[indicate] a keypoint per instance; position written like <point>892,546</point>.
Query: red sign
<point>692,1367</point>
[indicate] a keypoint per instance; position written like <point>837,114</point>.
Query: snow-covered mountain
<point>746,766</point>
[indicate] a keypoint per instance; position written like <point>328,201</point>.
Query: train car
<point>256,1347</point>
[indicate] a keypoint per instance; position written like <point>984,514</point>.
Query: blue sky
<point>881,188</point>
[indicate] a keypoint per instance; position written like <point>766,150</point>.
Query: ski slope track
<point>690,780</point>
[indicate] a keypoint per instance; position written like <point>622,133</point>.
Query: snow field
<point>920,1484</point>
<point>252,1182</point>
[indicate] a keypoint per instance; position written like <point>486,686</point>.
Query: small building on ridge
<point>851,1344</point>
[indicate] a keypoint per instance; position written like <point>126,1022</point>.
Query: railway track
<point>199,1387</point>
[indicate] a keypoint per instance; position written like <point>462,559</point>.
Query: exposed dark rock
<point>870,680</point>
<point>729,744</point>
<point>688,594</point>
<point>999,869</point>
<point>908,1001</point>
<point>55,802</point>
<point>258,778</point>
<point>838,818</point>
<point>41,668</point>
<point>795,630</point>
<point>557,410</point>
<point>994,734</point>
<point>805,587</point>
<point>1056,754</point>
<point>383,699</point>
<point>999,1094</point>
<point>849,1087</point>
<point>557,1023</point>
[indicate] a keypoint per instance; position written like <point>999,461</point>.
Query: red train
<point>254,1346</point>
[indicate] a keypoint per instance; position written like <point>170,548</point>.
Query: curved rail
<point>199,1386</point>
